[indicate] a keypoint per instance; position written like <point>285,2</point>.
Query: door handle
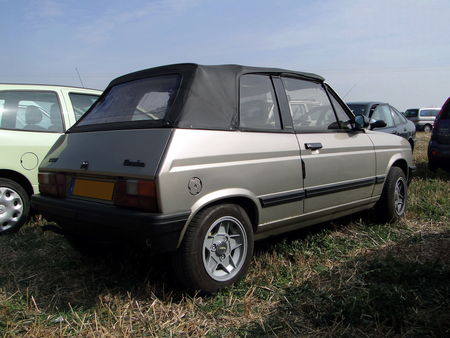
<point>313,146</point>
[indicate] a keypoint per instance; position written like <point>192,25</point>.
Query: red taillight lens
<point>139,194</point>
<point>52,184</point>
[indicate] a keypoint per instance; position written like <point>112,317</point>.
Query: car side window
<point>258,107</point>
<point>396,116</point>
<point>31,111</point>
<point>310,107</point>
<point>81,103</point>
<point>343,118</point>
<point>382,112</point>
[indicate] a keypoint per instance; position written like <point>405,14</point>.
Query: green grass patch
<point>351,277</point>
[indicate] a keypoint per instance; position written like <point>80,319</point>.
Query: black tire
<point>208,260</point>
<point>411,143</point>
<point>427,128</point>
<point>392,204</point>
<point>14,206</point>
<point>432,166</point>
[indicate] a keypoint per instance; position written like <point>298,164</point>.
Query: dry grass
<point>352,277</point>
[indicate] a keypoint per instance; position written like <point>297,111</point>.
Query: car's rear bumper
<point>160,231</point>
<point>439,153</point>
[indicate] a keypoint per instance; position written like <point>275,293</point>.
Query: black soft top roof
<point>209,95</point>
<point>236,70</point>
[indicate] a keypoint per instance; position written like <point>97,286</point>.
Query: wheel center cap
<point>221,248</point>
<point>2,209</point>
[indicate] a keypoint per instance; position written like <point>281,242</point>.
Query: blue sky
<point>396,51</point>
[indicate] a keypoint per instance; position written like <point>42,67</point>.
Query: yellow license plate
<point>94,189</point>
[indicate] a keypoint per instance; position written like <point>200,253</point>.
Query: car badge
<point>84,165</point>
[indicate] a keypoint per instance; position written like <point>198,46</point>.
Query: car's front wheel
<point>392,204</point>
<point>427,128</point>
<point>14,206</point>
<point>216,250</point>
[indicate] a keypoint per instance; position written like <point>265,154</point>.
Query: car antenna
<point>79,76</point>
<point>351,88</point>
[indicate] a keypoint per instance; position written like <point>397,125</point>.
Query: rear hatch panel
<point>116,153</point>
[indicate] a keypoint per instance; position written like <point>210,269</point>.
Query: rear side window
<point>258,107</point>
<point>148,99</point>
<point>30,111</point>
<point>429,112</point>
<point>311,109</point>
<point>81,103</point>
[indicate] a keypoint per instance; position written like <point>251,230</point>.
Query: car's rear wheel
<point>427,128</point>
<point>432,165</point>
<point>392,204</point>
<point>14,206</point>
<point>216,250</point>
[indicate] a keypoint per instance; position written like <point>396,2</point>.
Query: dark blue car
<point>439,146</point>
<point>396,123</point>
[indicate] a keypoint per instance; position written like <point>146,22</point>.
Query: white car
<point>32,117</point>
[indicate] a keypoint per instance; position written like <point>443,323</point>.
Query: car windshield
<point>146,99</point>
<point>411,112</point>
<point>358,109</point>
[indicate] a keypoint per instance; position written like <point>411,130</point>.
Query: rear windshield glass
<point>139,100</point>
<point>81,103</point>
<point>359,109</point>
<point>411,112</point>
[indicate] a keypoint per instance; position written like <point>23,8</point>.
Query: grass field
<point>351,277</point>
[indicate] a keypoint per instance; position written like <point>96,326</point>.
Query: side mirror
<point>360,122</point>
<point>378,124</point>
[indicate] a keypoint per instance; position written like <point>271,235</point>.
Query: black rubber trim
<point>380,179</point>
<point>97,219</point>
<point>282,198</point>
<point>313,192</point>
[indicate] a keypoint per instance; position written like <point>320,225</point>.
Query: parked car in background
<point>396,123</point>
<point>208,159</point>
<point>423,118</point>
<point>32,117</point>
<point>439,145</point>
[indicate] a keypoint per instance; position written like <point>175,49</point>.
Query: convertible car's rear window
<point>146,99</point>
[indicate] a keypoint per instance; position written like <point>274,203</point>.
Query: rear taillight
<point>139,194</point>
<point>52,184</point>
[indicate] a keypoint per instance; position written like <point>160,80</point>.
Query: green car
<point>32,117</point>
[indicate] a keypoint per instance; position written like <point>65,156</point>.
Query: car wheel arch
<point>411,142</point>
<point>18,178</point>
<point>400,163</point>
<point>245,200</point>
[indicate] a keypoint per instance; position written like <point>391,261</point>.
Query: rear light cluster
<point>138,194</point>
<point>130,193</point>
<point>52,184</point>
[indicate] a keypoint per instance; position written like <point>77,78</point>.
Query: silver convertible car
<point>204,160</point>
